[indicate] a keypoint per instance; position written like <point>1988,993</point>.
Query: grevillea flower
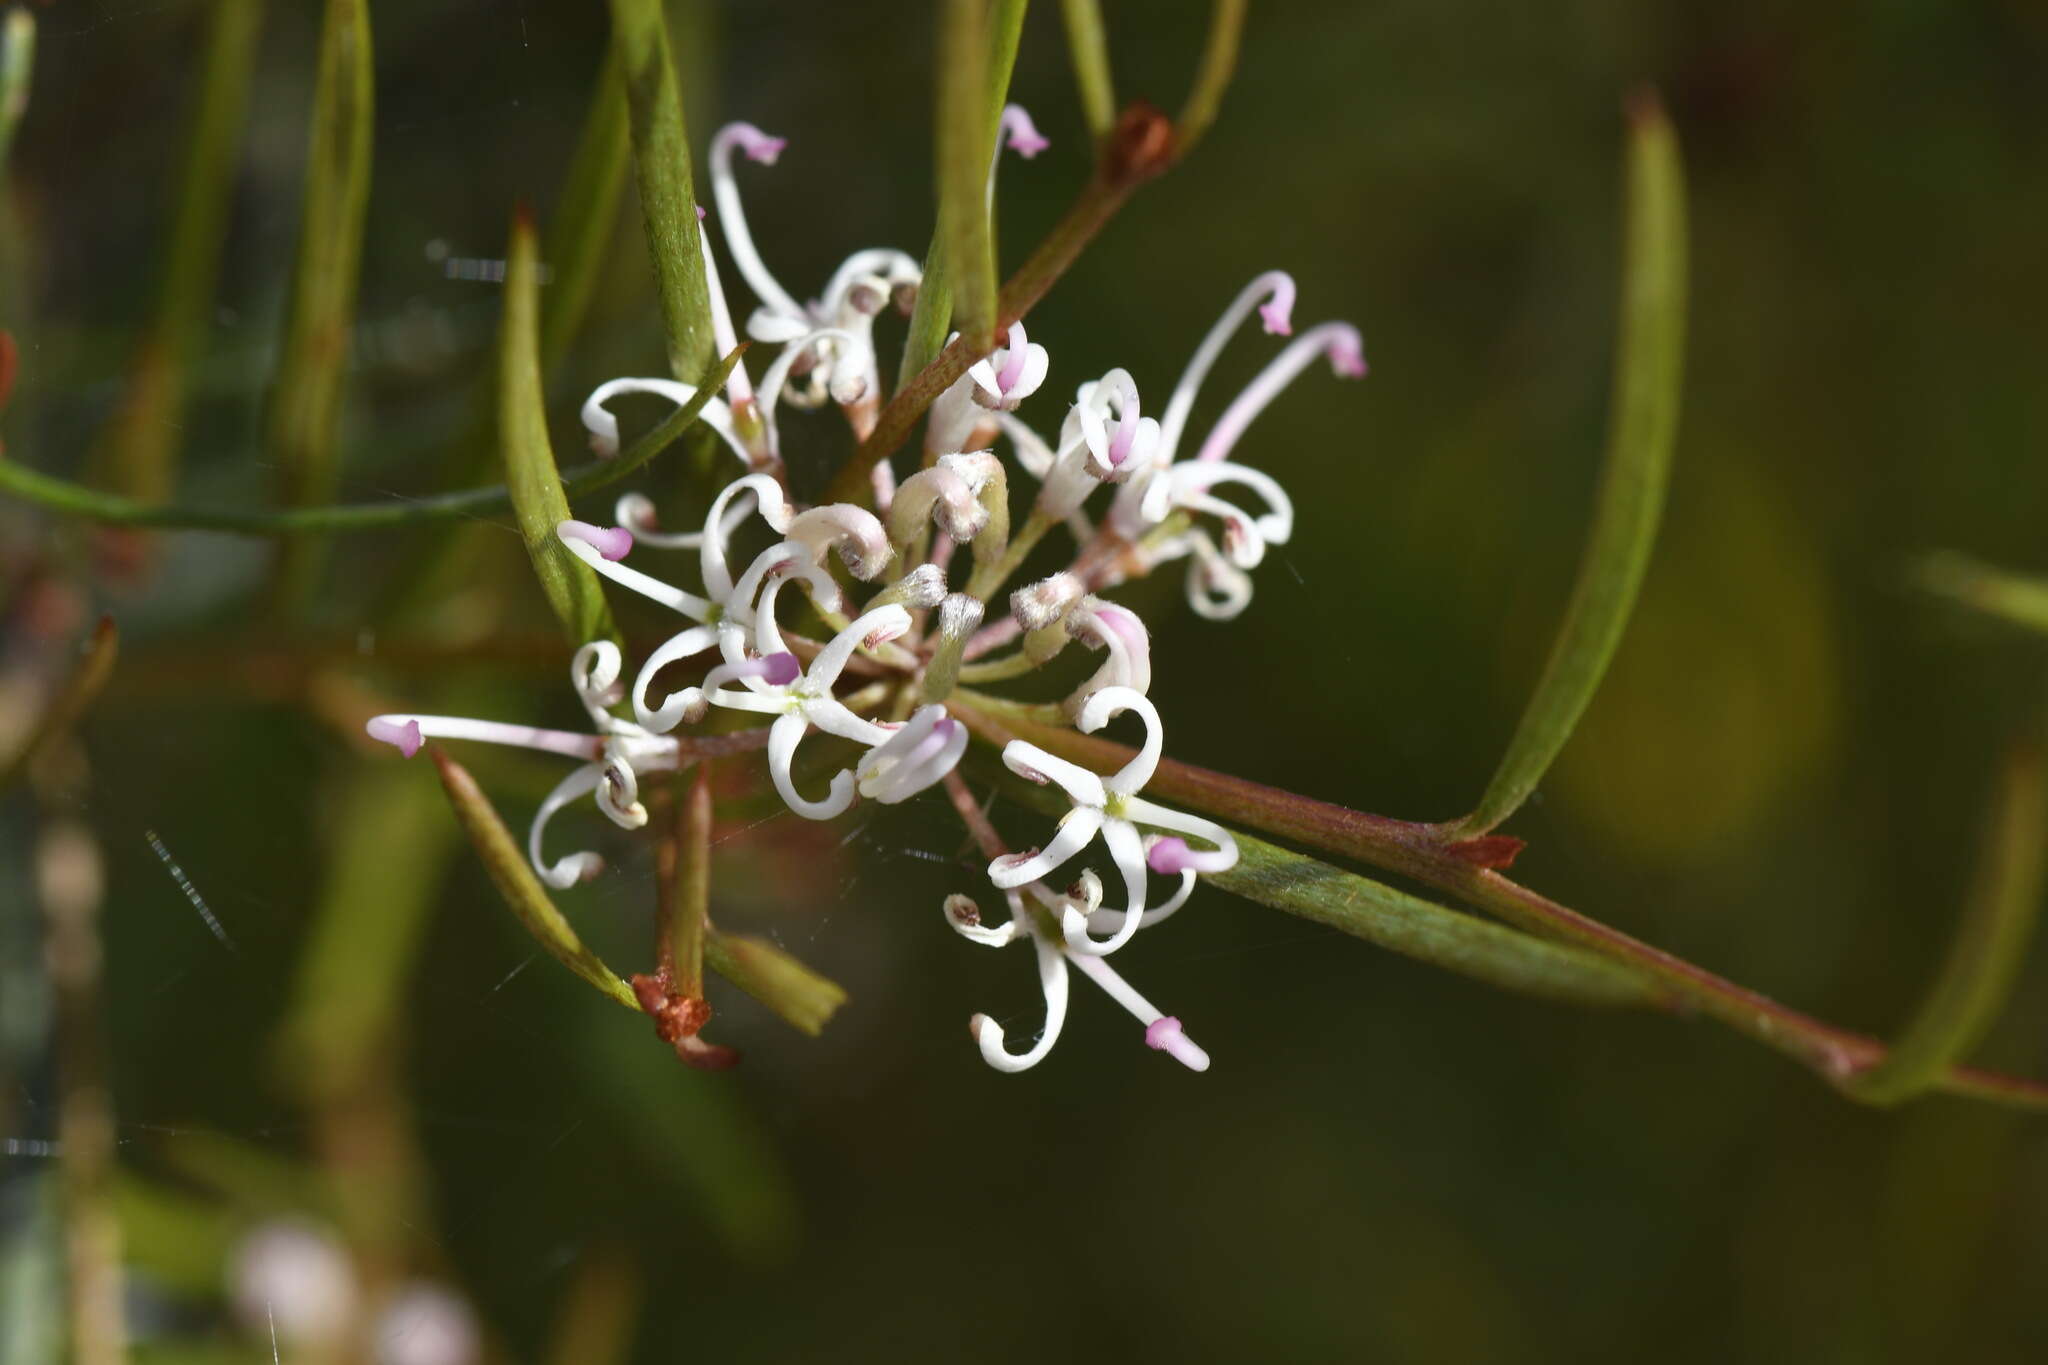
<point>614,757</point>
<point>1039,926</point>
<point>801,700</point>
<point>1112,808</point>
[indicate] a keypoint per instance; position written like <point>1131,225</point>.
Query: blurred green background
<point>1782,777</point>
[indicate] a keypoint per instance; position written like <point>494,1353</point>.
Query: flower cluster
<point>775,633</point>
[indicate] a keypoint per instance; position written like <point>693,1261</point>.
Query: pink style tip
<point>760,146</point>
<point>1161,1032</point>
<point>780,669</point>
<point>1024,137</point>
<point>1014,356</point>
<point>700,213</point>
<point>1348,361</point>
<point>1170,856</point>
<point>405,737</point>
<point>1277,313</point>
<point>611,542</point>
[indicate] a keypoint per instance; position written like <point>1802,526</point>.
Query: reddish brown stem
<point>1432,855</point>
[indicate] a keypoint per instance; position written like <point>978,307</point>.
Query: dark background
<point>1782,777</point>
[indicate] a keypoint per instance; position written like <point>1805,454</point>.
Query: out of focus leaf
<point>585,213</point>
<point>1642,430</point>
<point>2012,597</point>
<point>523,892</point>
<point>142,450</point>
<point>72,699</point>
<point>538,503</point>
<point>17,68</point>
<point>1089,49</point>
<point>694,1133</point>
<point>180,1239</point>
<point>1998,923</point>
<point>305,415</point>
<point>1212,78</point>
<point>383,878</point>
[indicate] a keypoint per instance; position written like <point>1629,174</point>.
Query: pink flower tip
<point>700,213</point>
<point>1169,856</point>
<point>403,735</point>
<point>780,669</point>
<point>1277,317</point>
<point>1023,135</point>
<point>1160,1033</point>
<point>762,147</point>
<point>1347,360</point>
<point>611,542</point>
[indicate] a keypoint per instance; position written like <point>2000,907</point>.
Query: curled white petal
<point>1052,981</point>
<point>1109,703</point>
<point>572,868</point>
<point>783,738</point>
<point>1076,830</point>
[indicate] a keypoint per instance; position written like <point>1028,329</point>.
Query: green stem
<point>2012,597</point>
<point>61,495</point>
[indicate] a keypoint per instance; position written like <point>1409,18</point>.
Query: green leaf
<point>523,892</point>
<point>668,201</point>
<point>964,144</point>
<point>2011,597</point>
<point>804,999</point>
<point>1642,429</point>
<point>142,446</point>
<point>1427,932</point>
<point>1212,78</point>
<point>586,212</point>
<point>1989,948</point>
<point>1089,49</point>
<point>932,316</point>
<point>306,404</point>
<point>538,503</point>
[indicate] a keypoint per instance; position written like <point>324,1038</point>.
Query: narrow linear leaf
<point>2011,597</point>
<point>1212,78</point>
<point>932,316</point>
<point>586,213</point>
<point>1998,923</point>
<point>70,702</point>
<point>538,502</point>
<point>1427,932</point>
<point>668,199</point>
<point>61,495</point>
<point>306,404</point>
<point>962,156</point>
<point>1642,429</point>
<point>1089,48</point>
<point>143,445</point>
<point>804,999</point>
<point>523,893</point>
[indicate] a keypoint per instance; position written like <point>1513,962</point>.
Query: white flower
<point>801,700</point>
<point>424,1324</point>
<point>294,1280</point>
<point>614,756</point>
<point>917,756</point>
<point>1162,1031</point>
<point>1112,808</point>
